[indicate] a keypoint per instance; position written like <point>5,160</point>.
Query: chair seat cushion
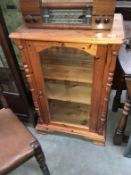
<point>15,141</point>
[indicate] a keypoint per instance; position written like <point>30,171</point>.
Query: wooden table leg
<point>119,133</point>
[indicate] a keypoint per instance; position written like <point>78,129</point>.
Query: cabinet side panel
<point>106,88</point>
<point>98,74</point>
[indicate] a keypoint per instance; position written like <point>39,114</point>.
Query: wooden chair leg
<point>117,101</point>
<point>40,157</point>
<point>119,133</point>
<point>3,99</point>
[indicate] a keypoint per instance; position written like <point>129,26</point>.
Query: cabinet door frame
<point>37,77</point>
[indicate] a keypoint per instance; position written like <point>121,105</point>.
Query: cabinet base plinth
<point>73,130</point>
<point>99,143</point>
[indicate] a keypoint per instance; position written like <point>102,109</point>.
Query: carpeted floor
<point>68,155</point>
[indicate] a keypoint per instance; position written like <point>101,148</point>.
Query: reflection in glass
<point>68,74</point>
<point>6,78</point>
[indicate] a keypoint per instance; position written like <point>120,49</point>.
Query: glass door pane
<point>68,73</point>
<point>13,19</point>
<point>6,79</point>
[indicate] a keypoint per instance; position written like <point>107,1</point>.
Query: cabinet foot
<point>73,130</point>
<point>43,132</point>
<point>99,143</point>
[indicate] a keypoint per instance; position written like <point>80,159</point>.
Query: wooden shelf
<point>73,92</point>
<point>68,64</point>
<point>68,73</point>
<point>66,112</point>
<point>66,56</point>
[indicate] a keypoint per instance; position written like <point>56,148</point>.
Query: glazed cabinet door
<point>68,76</point>
<point>68,79</point>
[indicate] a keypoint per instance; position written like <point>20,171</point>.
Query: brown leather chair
<point>17,144</point>
<point>125,62</point>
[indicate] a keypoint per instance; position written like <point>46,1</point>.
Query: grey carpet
<point>68,155</point>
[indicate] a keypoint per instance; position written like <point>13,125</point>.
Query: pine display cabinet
<point>70,74</point>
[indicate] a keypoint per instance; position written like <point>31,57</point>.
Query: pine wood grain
<point>66,112</point>
<point>65,128</point>
<point>68,73</point>
<point>68,92</point>
<point>74,36</point>
<point>63,1</point>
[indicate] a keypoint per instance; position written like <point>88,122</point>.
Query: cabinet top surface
<point>114,36</point>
